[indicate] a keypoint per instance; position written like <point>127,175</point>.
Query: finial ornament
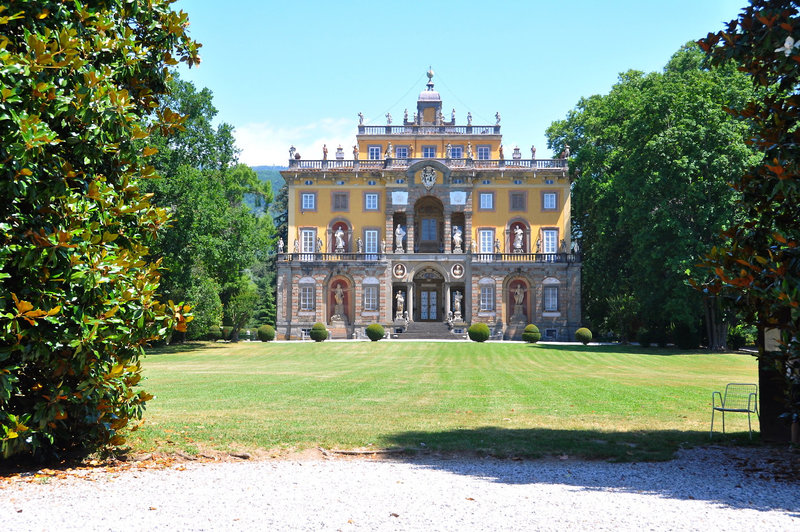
<point>430,73</point>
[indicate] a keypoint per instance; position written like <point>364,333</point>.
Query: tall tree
<point>758,266</point>
<point>651,161</point>
<point>78,83</point>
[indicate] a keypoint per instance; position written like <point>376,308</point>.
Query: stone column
<point>410,300</point>
<point>448,233</point>
<point>467,231</point>
<point>409,233</point>
<point>446,300</point>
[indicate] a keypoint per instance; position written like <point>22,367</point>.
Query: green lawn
<point>506,399</point>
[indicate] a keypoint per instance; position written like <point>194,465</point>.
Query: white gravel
<point>703,489</point>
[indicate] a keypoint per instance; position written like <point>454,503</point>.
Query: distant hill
<point>270,174</point>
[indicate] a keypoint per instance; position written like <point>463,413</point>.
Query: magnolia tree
<point>758,267</point>
<point>78,301</point>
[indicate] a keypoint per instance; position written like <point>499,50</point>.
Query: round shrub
<point>583,335</point>
<point>478,332</point>
<point>375,332</point>
<point>531,334</point>
<point>318,332</point>
<point>214,333</point>
<point>266,333</point>
<point>226,332</point>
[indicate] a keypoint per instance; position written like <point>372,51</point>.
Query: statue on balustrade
<point>500,152</point>
<point>469,119</point>
<point>533,152</point>
<point>280,245</point>
<point>497,116</point>
<point>360,245</point>
<point>319,245</point>
<point>448,150</point>
<point>360,119</point>
<point>389,151</point>
<point>324,152</point>
<point>296,246</point>
<point>355,152</point>
<point>453,115</point>
<point>388,118</point>
<point>497,245</point>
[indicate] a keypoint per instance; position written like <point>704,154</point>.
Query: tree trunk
<point>771,388</point>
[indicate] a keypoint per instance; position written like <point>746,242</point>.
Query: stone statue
<point>280,245</point>
<point>497,116</point>
<point>338,295</point>
<point>405,115</point>
<point>538,245</point>
<point>518,233</point>
<point>457,297</point>
<point>400,300</point>
<point>360,245</point>
<point>448,150</point>
<point>453,115</point>
<point>469,119</point>
<point>388,118</point>
<point>415,118</point>
<point>518,295</point>
<point>497,245</point>
<point>383,247</point>
<point>399,234</point>
<point>324,152</point>
<point>389,151</point>
<point>319,245</point>
<point>440,118</point>
<point>292,151</point>
<point>355,152</point>
<point>565,153</point>
<point>533,152</point>
<point>457,239</point>
<point>562,248</point>
<point>360,119</point>
<point>339,235</point>
<point>469,150</point>
<point>410,151</point>
<point>500,152</point>
<point>296,246</point>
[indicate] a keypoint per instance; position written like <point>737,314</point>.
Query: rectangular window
<point>340,201</point>
<point>486,240</point>
<point>370,298</point>
<point>486,201</point>
<point>308,201</point>
<point>371,243</point>
<point>428,227</point>
<point>483,153</point>
<point>401,152</point>
<point>517,201</point>
<point>487,298</point>
<point>308,243</point>
<point>370,201</point>
<point>549,200</point>
<point>429,152</point>
<point>457,152</point>
<point>550,244</point>
<point>306,297</point>
<point>374,152</point>
<point>551,299</point>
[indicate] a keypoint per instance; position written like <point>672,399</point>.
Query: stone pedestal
<point>519,316</point>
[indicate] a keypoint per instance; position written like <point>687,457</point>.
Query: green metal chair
<point>739,397</point>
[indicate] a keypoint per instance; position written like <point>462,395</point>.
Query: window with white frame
<point>429,152</point>
<point>549,201</point>
<point>550,241</point>
<point>374,152</point>
<point>486,201</point>
<point>308,240</point>
<point>550,295</point>
<point>308,201</point>
<point>371,241</point>
<point>484,153</point>
<point>487,298</point>
<point>370,201</point>
<point>370,297</point>
<point>486,240</point>
<point>401,152</point>
<point>457,152</point>
<point>307,297</point>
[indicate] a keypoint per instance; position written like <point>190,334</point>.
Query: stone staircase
<point>420,330</point>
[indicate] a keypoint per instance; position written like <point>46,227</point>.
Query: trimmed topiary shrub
<point>319,333</point>
<point>531,334</point>
<point>374,332</point>
<point>226,332</point>
<point>266,333</point>
<point>583,335</point>
<point>214,333</point>
<point>478,332</point>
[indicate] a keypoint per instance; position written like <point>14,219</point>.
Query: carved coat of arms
<point>428,177</point>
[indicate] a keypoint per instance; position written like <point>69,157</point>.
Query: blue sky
<point>299,72</point>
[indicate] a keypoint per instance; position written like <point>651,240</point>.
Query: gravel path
<point>713,488</point>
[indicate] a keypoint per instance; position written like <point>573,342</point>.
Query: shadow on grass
<point>186,347</point>
<point>688,479</point>
<point>625,349</point>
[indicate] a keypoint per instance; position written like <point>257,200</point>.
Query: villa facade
<point>428,222</point>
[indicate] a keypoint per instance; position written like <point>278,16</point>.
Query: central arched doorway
<point>428,295</point>
<point>429,225</point>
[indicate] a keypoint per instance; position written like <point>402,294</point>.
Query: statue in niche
<point>399,300</point>
<point>338,295</point>
<point>519,295</point>
<point>518,234</point>
<point>338,307</point>
<point>457,239</point>
<point>360,245</point>
<point>360,119</point>
<point>457,297</point>
<point>280,245</point>
<point>339,235</point>
<point>399,234</point>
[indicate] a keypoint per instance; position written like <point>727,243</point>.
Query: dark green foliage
<point>319,333</point>
<point>266,333</point>
<point>531,334</point>
<point>644,337</point>
<point>741,335</point>
<point>652,160</point>
<point>214,333</point>
<point>227,330</point>
<point>375,332</point>
<point>207,309</point>
<point>686,336</point>
<point>583,335</point>
<point>78,290</point>
<point>478,332</point>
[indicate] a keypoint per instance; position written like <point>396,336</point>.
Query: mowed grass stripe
<point>504,398</point>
